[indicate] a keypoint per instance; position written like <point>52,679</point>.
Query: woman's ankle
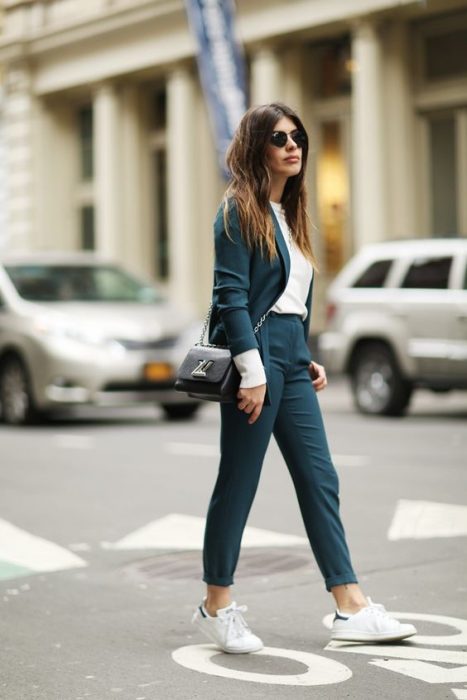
<point>349,598</point>
<point>217,597</point>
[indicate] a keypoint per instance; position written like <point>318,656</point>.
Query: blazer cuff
<point>251,369</point>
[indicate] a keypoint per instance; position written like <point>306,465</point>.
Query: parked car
<point>397,320</point>
<point>76,330</point>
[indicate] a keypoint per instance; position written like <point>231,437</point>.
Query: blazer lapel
<point>281,246</point>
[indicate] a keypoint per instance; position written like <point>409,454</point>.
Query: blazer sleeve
<point>232,283</point>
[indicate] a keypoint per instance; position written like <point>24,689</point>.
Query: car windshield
<point>93,283</point>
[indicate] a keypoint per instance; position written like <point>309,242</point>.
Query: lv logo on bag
<point>202,368</point>
<point>200,379</point>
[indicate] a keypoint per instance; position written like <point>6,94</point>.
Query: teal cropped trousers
<point>294,417</point>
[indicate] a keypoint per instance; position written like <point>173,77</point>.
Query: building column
<point>55,175</point>
<point>369,198</point>
<point>3,174</point>
<point>294,83</point>
<point>266,83</point>
<point>18,127</point>
<point>182,175</point>
<point>137,249</point>
<point>107,169</point>
<point>400,132</point>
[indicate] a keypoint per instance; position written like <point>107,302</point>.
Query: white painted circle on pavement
<point>320,671</point>
<point>457,639</point>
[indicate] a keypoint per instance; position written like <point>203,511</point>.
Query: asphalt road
<point>100,563</point>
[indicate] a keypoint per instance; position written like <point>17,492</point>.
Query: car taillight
<point>330,312</point>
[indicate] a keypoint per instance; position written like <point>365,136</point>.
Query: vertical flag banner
<point>221,68</point>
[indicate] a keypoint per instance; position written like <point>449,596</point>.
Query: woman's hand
<point>251,401</point>
<point>318,376</point>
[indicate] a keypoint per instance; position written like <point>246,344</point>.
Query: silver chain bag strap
<point>208,371</point>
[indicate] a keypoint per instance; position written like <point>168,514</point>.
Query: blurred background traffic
<point>110,147</point>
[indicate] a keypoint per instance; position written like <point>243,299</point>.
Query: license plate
<point>158,371</point>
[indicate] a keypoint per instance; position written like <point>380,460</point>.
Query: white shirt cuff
<point>251,368</point>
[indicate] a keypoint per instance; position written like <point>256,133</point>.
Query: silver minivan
<point>78,330</point>
<point>397,320</point>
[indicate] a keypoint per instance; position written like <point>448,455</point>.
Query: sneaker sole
<point>365,637</point>
<point>198,623</point>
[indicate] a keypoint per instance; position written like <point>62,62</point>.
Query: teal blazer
<point>246,286</point>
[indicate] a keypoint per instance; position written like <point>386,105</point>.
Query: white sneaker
<point>370,624</point>
<point>228,629</point>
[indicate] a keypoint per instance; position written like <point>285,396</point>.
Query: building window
<point>160,185</point>
<point>85,120</point>
<point>88,241</point>
<point>443,175</point>
<point>445,55</point>
<point>159,110</point>
<point>158,139</point>
<point>86,234</point>
<point>333,68</point>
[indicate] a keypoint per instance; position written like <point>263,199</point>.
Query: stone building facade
<point>109,144</point>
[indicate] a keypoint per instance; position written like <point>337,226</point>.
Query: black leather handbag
<point>208,371</point>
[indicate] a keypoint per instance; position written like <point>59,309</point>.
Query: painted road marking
<point>420,663</point>
<point>421,671</point>
<point>22,553</point>
<point>442,656</point>
<point>196,449</point>
<point>186,532</point>
<point>424,519</point>
<point>319,670</point>
<point>409,659</point>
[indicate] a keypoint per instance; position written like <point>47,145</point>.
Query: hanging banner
<point>221,68</point>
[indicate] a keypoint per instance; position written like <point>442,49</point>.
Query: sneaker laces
<point>378,608</point>
<point>236,624</point>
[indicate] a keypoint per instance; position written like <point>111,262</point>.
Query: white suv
<point>397,319</point>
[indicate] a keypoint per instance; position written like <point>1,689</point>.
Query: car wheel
<point>16,400</point>
<point>178,411</point>
<point>378,386</point>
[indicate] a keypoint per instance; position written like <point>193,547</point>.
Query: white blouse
<point>291,301</point>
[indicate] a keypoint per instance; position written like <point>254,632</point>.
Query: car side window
<point>428,273</point>
<point>375,275</point>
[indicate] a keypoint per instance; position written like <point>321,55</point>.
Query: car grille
<point>138,386</point>
<point>160,343</point>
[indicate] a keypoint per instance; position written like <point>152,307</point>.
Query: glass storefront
<point>333,194</point>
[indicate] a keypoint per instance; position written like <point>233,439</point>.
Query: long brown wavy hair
<point>250,182</point>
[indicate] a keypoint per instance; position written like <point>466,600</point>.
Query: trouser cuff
<point>340,580</point>
<point>218,581</point>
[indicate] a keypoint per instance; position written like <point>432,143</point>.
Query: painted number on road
<point>418,662</point>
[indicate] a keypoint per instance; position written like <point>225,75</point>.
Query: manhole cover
<point>188,565</point>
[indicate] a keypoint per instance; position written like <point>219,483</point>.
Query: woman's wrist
<point>250,367</point>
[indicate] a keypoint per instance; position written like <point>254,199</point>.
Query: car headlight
<point>60,328</point>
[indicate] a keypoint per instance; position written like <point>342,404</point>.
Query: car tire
<point>180,411</point>
<point>16,400</point>
<point>378,385</point>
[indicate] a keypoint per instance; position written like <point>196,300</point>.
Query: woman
<point>264,262</point>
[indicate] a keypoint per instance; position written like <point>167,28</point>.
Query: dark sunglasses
<point>279,138</point>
